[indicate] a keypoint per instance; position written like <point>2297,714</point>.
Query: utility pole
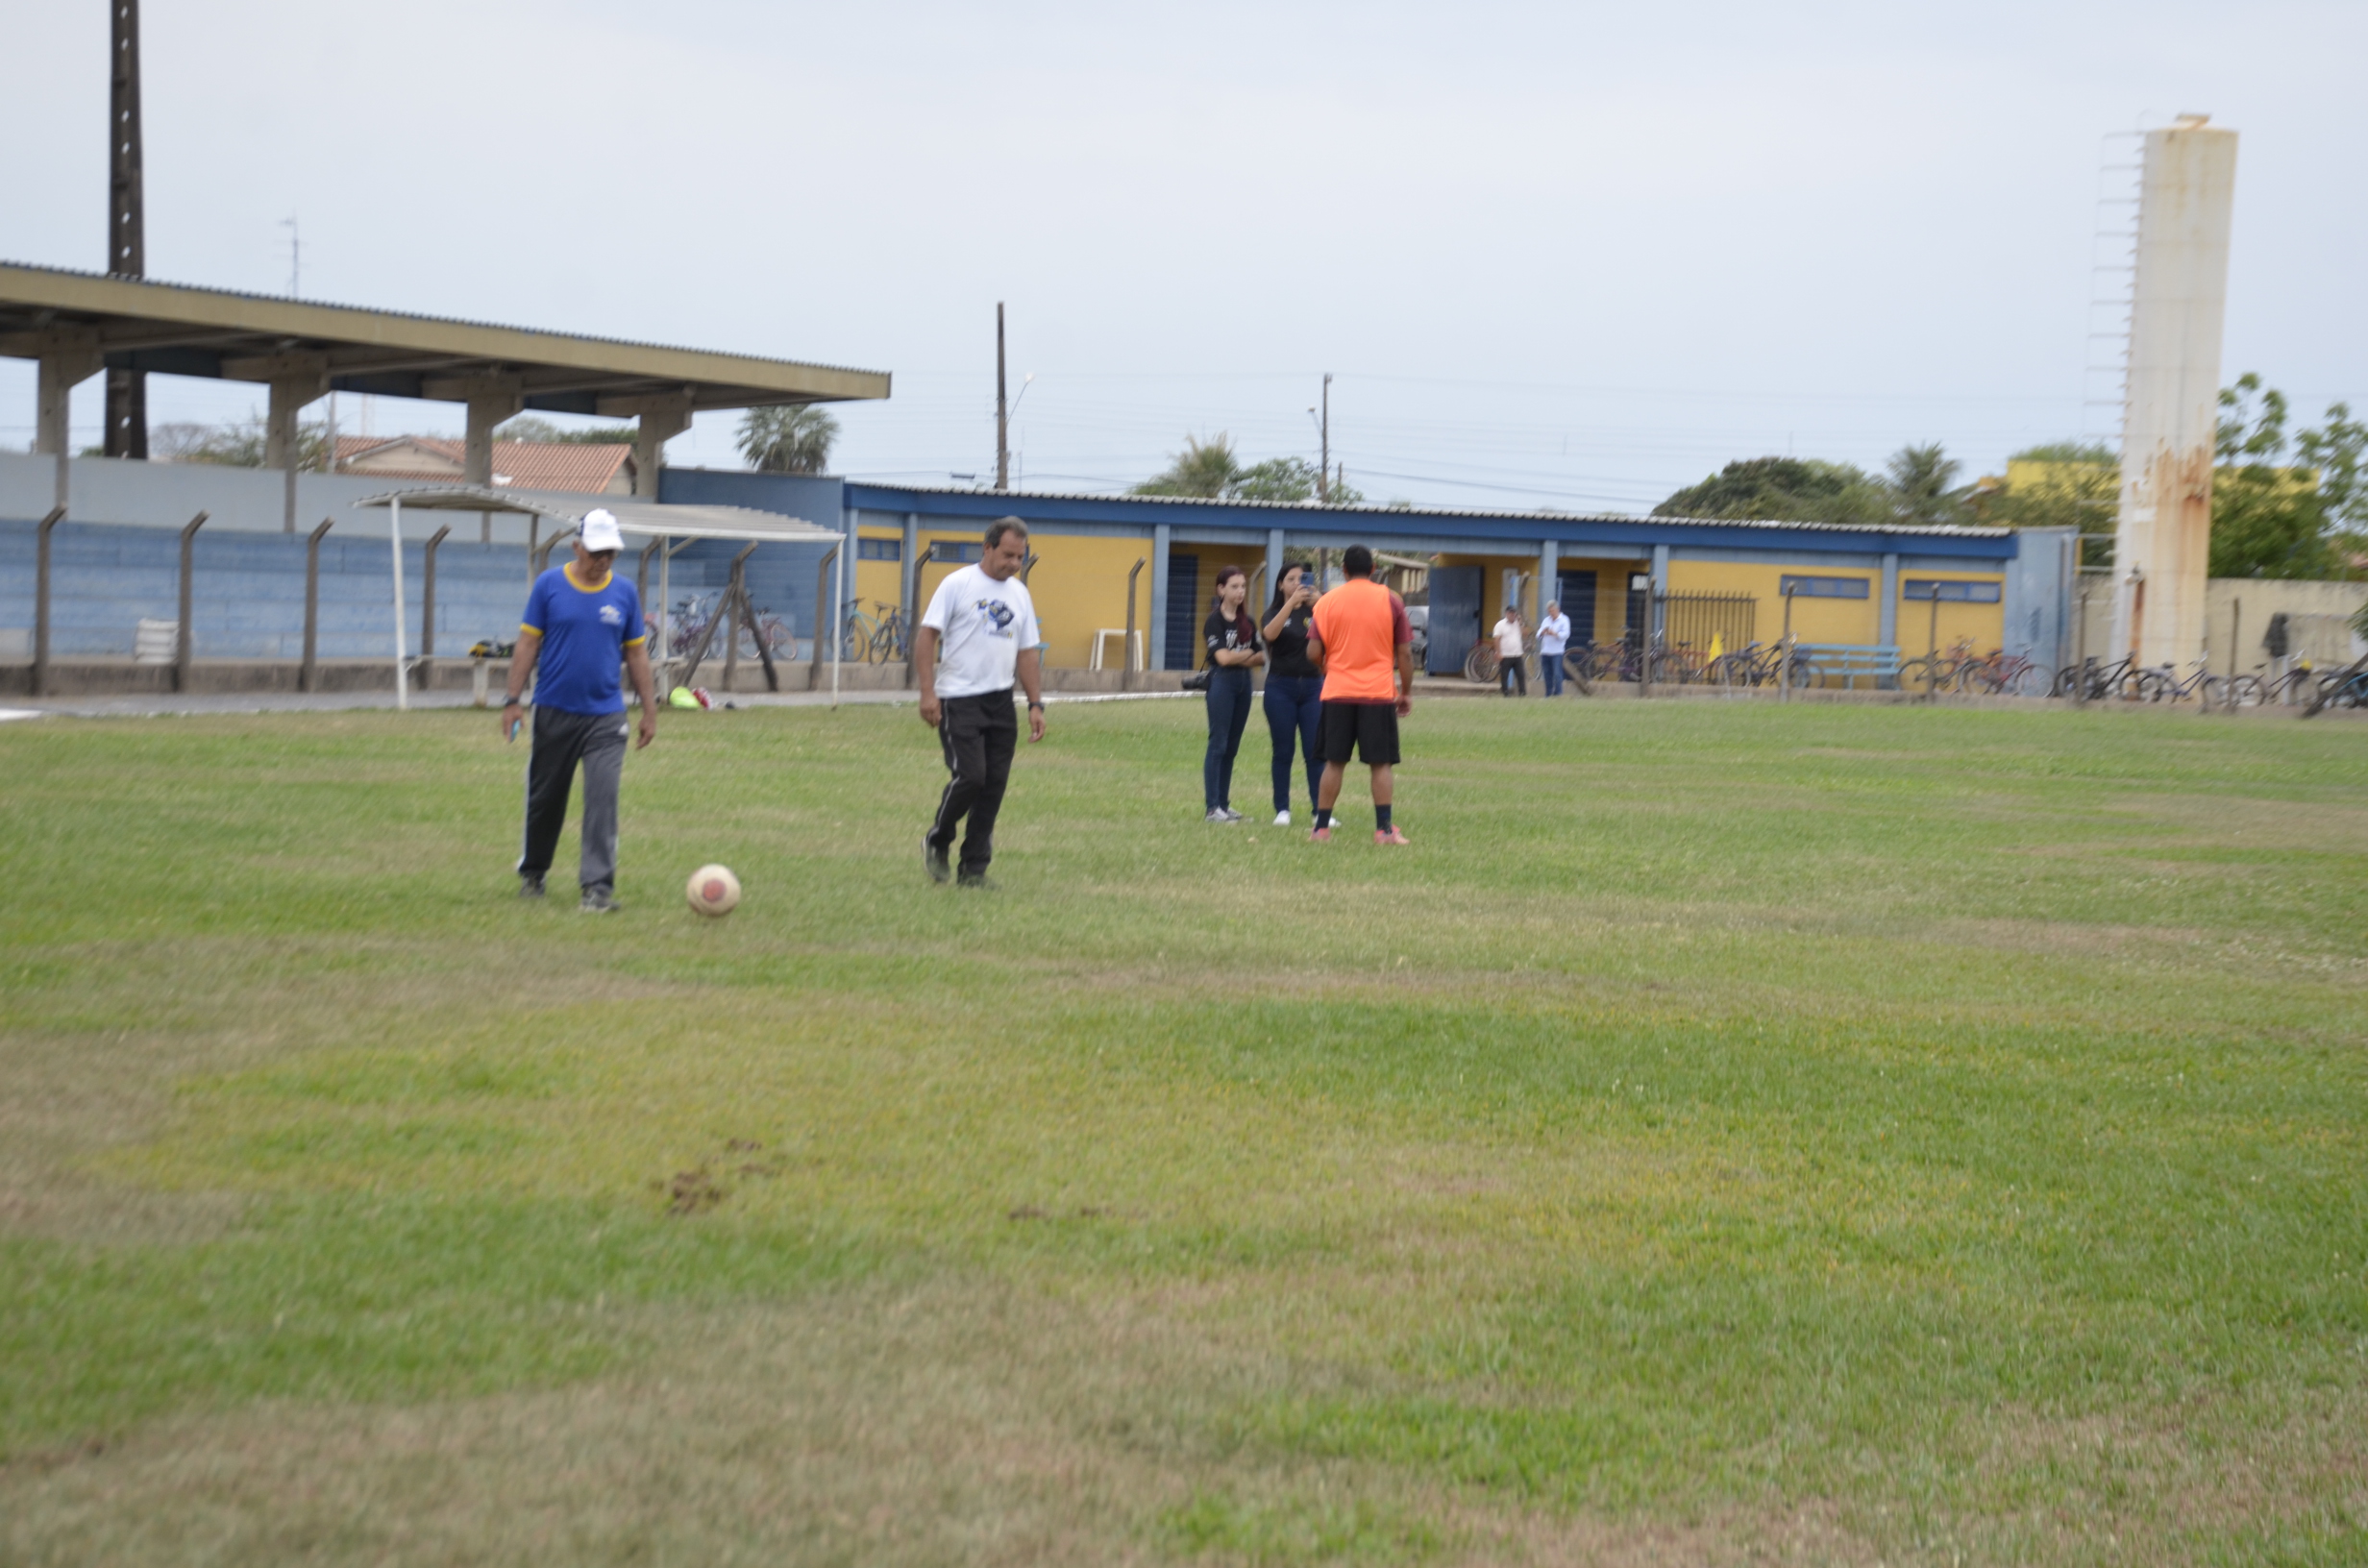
<point>1324,469</point>
<point>1003,411</point>
<point>127,247</point>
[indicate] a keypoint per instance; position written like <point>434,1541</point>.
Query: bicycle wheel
<point>2029,681</point>
<point>2245,691</point>
<point>1480,664</point>
<point>855,638</point>
<point>1916,675</point>
<point>2147,686</point>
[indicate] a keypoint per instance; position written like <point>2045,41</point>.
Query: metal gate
<point>1694,620</point>
<point>1575,592</point>
<point>1183,611</point>
<point>1455,618</point>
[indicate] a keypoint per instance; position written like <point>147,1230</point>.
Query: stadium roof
<point>176,329</point>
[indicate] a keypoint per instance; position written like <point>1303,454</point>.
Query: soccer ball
<point>713,891</point>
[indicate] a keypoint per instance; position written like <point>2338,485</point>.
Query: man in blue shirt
<point>582,621</point>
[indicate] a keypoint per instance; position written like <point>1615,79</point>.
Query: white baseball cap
<point>599,531</point>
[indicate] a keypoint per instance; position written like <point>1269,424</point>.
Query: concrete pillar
<point>1274,567</point>
<point>66,357</point>
<point>1660,586</point>
<point>2177,300</point>
<point>1549,575</point>
<point>1887,619</point>
<point>282,444</point>
<point>908,568</point>
<point>659,421</point>
<point>1159,596</point>
<point>495,399</point>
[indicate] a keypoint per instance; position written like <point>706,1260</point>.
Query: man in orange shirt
<point>1361,640</point>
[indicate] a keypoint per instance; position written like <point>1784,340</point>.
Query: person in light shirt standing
<point>1508,634</point>
<point>977,635</point>
<point>1553,637</point>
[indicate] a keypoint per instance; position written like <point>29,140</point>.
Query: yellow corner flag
<point>1719,645</point>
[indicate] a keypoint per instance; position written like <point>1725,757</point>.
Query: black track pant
<point>979,735</point>
<point>561,741</point>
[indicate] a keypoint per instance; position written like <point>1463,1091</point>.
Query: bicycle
<point>2000,673</point>
<point>2162,683</point>
<point>1939,671</point>
<point>888,635</point>
<point>2093,682</point>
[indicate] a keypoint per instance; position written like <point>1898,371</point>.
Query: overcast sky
<point>1572,256</point>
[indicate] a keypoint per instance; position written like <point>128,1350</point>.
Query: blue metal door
<point>1183,624</point>
<point>1455,618</point>
<point>1576,593</point>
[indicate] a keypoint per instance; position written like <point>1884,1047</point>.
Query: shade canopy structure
<point>77,324</point>
<point>646,520</point>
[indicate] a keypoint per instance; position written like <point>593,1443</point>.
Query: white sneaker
<point>1282,819</point>
<point>1220,816</point>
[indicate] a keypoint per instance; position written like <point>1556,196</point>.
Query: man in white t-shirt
<point>1553,638</point>
<point>1508,634</point>
<point>978,635</point>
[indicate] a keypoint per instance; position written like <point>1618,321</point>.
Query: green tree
<point>1784,489</point>
<point>529,428</point>
<point>794,438</point>
<point>239,442</point>
<point>1206,469</point>
<point>1924,488</point>
<point>2268,519</point>
<point>1289,480</point>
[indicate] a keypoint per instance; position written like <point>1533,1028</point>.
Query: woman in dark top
<point>1294,688</point>
<point>1232,640</point>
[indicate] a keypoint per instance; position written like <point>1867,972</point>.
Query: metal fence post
<point>1126,649</point>
<point>821,595</point>
<point>41,602</point>
<point>308,676</point>
<point>1784,674</point>
<point>426,664</point>
<point>183,644</point>
<point>912,596</point>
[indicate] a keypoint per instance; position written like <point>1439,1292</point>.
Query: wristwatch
<point>1035,707</point>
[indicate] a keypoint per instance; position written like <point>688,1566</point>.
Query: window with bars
<point>947,550</point>
<point>880,549</point>
<point>1922,589</point>
<point>1822,587</point>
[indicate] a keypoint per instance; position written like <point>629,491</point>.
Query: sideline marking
<point>7,714</point>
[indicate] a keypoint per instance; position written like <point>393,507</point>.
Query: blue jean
<point>1228,714</point>
<point>1294,706</point>
<point>1550,666</point>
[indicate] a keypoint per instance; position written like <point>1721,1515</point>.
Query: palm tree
<point>794,438</point>
<point>1921,477</point>
<point>1206,469</point>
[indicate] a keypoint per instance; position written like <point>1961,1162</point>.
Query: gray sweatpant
<point>561,741</point>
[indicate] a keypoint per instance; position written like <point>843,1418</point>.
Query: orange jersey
<point>1362,625</point>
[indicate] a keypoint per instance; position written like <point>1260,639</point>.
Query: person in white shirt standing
<point>978,633</point>
<point>1508,634</point>
<point>1553,637</point>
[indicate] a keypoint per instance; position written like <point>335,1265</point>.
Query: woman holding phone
<point>1234,646</point>
<point>1294,688</point>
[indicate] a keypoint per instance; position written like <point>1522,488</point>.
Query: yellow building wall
<point>1983,624</point>
<point>1814,620</point>
<point>875,583</point>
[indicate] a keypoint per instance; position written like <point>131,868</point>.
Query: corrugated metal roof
<point>1486,514</point>
<point>646,519</point>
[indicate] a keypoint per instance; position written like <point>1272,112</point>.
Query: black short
<point>1368,728</point>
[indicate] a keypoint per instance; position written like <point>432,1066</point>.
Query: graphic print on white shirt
<point>981,624</point>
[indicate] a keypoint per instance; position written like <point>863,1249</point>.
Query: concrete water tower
<point>2172,408</point>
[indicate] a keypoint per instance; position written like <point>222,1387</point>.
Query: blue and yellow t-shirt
<point>585,633</point>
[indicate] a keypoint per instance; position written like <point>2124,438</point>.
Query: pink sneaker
<point>1390,835</point>
<point>1322,835</point>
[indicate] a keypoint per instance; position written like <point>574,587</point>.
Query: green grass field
<point>1730,1133</point>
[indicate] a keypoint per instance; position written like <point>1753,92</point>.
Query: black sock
<point>1324,817</point>
<point>1381,819</point>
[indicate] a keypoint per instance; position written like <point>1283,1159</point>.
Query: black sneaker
<point>975,879</point>
<point>934,858</point>
<point>530,885</point>
<point>598,901</point>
